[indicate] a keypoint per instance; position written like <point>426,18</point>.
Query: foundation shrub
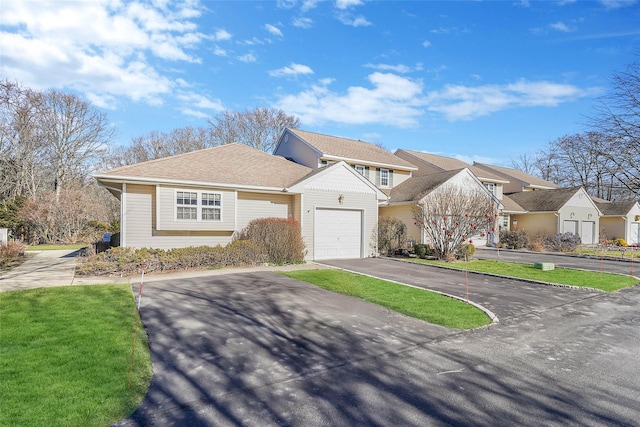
<point>465,251</point>
<point>563,242</point>
<point>127,261</point>
<point>537,244</point>
<point>279,239</point>
<point>514,239</point>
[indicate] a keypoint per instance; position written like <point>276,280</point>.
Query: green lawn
<point>604,281</point>
<point>65,356</point>
<point>56,247</point>
<point>419,303</point>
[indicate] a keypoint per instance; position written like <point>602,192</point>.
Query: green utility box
<point>544,266</point>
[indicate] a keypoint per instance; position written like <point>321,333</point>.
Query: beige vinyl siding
<point>166,219</point>
<point>261,205</point>
<point>536,223</point>
<point>404,214</point>
<point>298,150</point>
<point>140,231</point>
<point>400,176</point>
<point>314,199</point>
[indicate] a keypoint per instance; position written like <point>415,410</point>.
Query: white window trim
<point>360,169</point>
<point>387,178</point>
<point>199,205</point>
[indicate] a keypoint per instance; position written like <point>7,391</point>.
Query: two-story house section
<point>316,150</point>
<point>431,163</point>
<point>517,181</point>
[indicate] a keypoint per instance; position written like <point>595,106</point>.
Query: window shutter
<point>390,178</point>
<point>378,177</point>
<point>366,172</point>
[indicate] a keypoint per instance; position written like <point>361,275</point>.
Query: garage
<point>338,234</point>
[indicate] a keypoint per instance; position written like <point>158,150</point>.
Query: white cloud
<point>345,4</point>
<point>616,4</point>
<point>307,5</point>
<point>358,21</point>
<point>221,35</point>
<point>426,43</point>
<point>249,57</point>
<point>561,26</point>
<point>293,70</point>
<point>458,102</point>
<point>272,29</point>
<point>200,101</point>
<point>302,22</point>
<point>391,100</point>
<point>103,49</point>
<point>400,68</point>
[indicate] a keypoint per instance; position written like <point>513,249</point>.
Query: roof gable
<point>545,200</point>
<point>449,163</point>
<point>415,188</point>
<point>338,177</point>
<point>514,174</point>
<point>351,150</point>
<point>231,164</point>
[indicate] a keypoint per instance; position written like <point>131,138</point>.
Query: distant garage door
<point>338,234</point>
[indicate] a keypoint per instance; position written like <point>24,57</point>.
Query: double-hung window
<point>198,206</point>
<point>186,205</point>
<point>210,206</point>
<point>384,177</point>
<point>359,169</point>
<point>491,187</point>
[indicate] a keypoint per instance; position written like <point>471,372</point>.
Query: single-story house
<point>561,210</point>
<point>205,197</point>
<point>620,219</point>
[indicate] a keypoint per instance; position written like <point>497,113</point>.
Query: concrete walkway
<point>43,269</point>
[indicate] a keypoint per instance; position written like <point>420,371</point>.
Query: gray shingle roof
<point>345,148</point>
<point>415,188</point>
<point>544,200</point>
<point>618,208</point>
<point>525,178</point>
<point>231,164</point>
<point>450,163</point>
<point>510,206</point>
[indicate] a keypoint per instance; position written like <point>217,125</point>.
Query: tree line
<point>605,159</point>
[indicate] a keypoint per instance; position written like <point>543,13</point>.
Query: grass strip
<point>608,282</point>
<point>56,247</point>
<point>65,356</point>
<point>419,303</point>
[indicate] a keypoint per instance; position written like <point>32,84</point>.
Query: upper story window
<point>491,187</point>
<point>194,205</point>
<point>359,169</point>
<point>186,205</point>
<point>384,177</point>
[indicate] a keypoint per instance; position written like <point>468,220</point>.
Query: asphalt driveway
<point>259,349</point>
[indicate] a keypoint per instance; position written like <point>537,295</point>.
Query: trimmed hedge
<point>127,261</point>
<point>279,239</point>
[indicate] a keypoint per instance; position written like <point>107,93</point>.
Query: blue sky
<point>485,81</point>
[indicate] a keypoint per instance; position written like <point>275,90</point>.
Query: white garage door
<point>338,234</point>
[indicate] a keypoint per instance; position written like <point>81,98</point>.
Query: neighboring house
<point>517,180</point>
<point>205,197</point>
<point>315,150</point>
<point>561,210</point>
<point>620,220</point>
<point>431,163</point>
<point>417,190</point>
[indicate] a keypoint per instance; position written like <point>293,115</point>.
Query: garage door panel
<point>338,234</point>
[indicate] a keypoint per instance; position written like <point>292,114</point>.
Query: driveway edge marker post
<point>135,330</point>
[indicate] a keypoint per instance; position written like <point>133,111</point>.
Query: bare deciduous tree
<point>75,133</point>
<point>452,214</point>
<point>259,128</point>
<point>618,116</point>
<point>155,145</point>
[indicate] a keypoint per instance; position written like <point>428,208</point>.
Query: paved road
<point>259,349</point>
